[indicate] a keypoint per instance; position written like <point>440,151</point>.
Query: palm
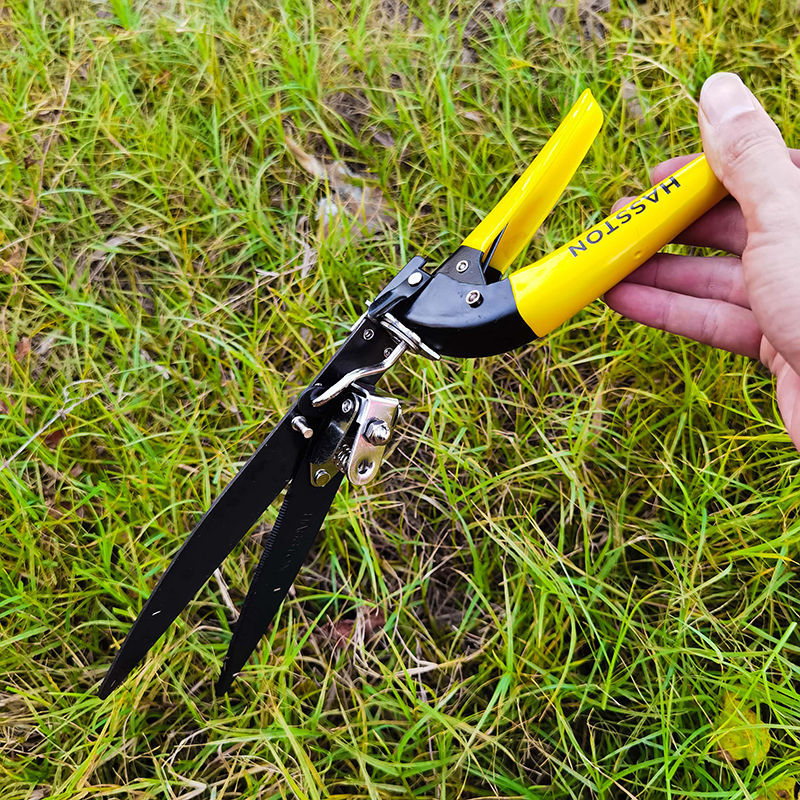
<point>710,300</point>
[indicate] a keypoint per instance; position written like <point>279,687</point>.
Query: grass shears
<point>340,426</point>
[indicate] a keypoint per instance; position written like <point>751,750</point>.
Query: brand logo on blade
<point>298,542</point>
<point>623,216</point>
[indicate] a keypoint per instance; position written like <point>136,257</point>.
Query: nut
<point>377,432</point>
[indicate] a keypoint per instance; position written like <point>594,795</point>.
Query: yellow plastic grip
<point>523,208</point>
<point>551,290</point>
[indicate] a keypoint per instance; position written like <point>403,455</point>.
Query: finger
<point>787,390</point>
<point>718,278</point>
<point>666,168</point>
<point>713,322</point>
<point>787,393</point>
<point>721,228</point>
<point>744,147</point>
<point>623,201</point>
<point>746,151</point>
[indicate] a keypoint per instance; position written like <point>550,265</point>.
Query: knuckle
<point>710,323</point>
<point>722,283</point>
<point>667,313</point>
<point>749,145</point>
<point>773,221</point>
<point>658,268</point>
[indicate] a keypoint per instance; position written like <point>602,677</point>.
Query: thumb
<point>747,153</point>
<point>745,149</point>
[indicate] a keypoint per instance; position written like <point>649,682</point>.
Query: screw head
<point>387,352</point>
<point>377,432</point>
<point>474,298</point>
<point>462,266</point>
<point>364,467</point>
<point>347,406</point>
<point>368,333</point>
<point>414,278</point>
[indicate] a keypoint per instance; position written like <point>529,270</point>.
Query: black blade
<point>299,520</point>
<point>231,515</point>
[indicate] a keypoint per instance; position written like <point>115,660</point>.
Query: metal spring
<point>342,456</point>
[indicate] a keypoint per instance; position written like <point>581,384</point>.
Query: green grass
<point>579,547</point>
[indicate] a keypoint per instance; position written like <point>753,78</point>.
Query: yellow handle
<point>523,208</point>
<point>551,290</point>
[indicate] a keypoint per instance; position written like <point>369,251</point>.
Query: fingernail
<point>724,97</point>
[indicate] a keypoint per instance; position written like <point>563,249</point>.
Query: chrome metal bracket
<point>376,419</point>
<point>356,438</point>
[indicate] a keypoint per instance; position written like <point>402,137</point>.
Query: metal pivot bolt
<point>300,424</point>
<point>462,266</point>
<point>474,298</point>
<point>377,432</point>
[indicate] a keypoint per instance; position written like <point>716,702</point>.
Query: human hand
<point>748,302</point>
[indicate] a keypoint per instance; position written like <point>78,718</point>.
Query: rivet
<point>368,333</point>
<point>347,406</point>
<point>462,266</point>
<point>414,278</point>
<point>474,298</point>
<point>321,477</point>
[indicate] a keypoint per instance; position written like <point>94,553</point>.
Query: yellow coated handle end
<point>551,290</point>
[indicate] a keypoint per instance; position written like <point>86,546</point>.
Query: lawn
<point>575,576</point>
